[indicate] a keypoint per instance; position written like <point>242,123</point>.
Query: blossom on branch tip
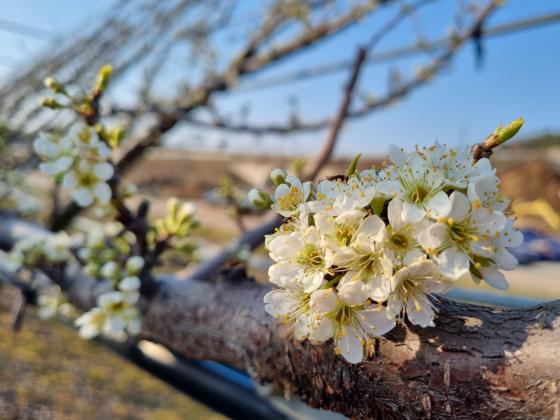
<point>360,253</point>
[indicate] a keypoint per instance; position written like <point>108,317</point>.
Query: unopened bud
<point>52,84</point>
<point>503,134</point>
<point>109,270</point>
<point>50,103</point>
<point>128,190</point>
<point>102,80</point>
<point>260,199</point>
<point>278,176</point>
<point>129,284</point>
<point>134,265</point>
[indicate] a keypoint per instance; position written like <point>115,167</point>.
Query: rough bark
<point>477,362</point>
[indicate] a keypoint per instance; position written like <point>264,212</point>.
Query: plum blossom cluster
<point>108,257</point>
<point>80,160</point>
<point>38,249</point>
<point>362,252</point>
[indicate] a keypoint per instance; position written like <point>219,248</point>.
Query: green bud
<point>102,80</point>
<point>127,190</point>
<point>503,134</point>
<point>278,176</point>
<point>51,103</point>
<point>52,84</point>
<point>260,199</point>
<point>116,136</point>
<point>172,207</point>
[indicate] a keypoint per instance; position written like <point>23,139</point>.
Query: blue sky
<point>519,77</point>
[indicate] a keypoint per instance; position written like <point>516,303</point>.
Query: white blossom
<point>360,254</point>
<point>418,186</point>
<point>289,197</point>
<point>411,287</point>
<point>113,317</point>
<point>88,183</point>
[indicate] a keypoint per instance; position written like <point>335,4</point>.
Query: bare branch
<point>423,76</point>
<point>319,160</point>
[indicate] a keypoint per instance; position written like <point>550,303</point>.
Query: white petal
<point>439,204</point>
<point>389,187</point>
<point>103,171</point>
<point>394,306</point>
<point>88,331</point>
<point>489,222</point>
<point>419,311</point>
<point>413,256</point>
<point>129,284</point>
<point>372,227</point>
<point>452,263</point>
<point>324,223</point>
<point>323,301</point>
<point>82,197</point>
<point>322,330</point>
<point>350,345</point>
<point>281,191</point>
<point>494,278</point>
<point>285,247</point>
<point>70,181</point>
<point>312,282</point>
<point>57,166</point>
<point>102,192</point>
<point>460,206</point>
<point>505,259</point>
<point>411,213</point>
<point>379,289</point>
<point>353,292</point>
<point>433,236</point>
<point>281,272</point>
<point>376,322</point>
<point>397,156</point>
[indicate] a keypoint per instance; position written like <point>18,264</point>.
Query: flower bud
<point>52,84</point>
<point>278,176</point>
<point>129,284</point>
<point>51,103</point>
<point>128,190</point>
<point>109,270</point>
<point>134,265</point>
<point>102,79</point>
<point>260,199</point>
<point>503,134</point>
<point>91,269</point>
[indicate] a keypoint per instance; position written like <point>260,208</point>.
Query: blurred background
<point>214,94</point>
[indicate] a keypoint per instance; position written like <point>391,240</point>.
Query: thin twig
<point>325,153</point>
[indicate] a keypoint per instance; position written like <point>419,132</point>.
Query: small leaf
<point>352,168</point>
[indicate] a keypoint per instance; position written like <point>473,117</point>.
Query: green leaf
<point>352,168</point>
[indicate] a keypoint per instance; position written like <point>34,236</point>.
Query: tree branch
<point>423,76</point>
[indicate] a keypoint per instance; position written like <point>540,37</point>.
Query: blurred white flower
<point>88,183</point>
<point>114,316</point>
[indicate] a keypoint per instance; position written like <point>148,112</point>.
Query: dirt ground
<point>48,372</point>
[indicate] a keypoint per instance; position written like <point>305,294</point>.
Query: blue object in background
<point>537,247</point>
